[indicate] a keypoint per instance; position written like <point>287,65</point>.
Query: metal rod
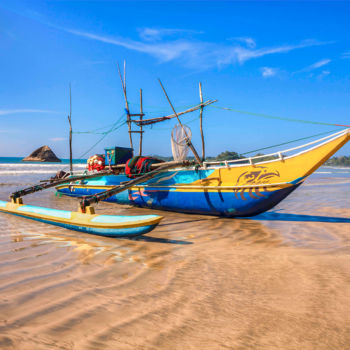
<point>179,121</point>
<point>201,121</point>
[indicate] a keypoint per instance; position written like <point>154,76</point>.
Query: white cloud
<point>268,72</point>
<point>155,34</point>
<point>150,34</point>
<point>194,53</point>
<point>346,55</point>
<point>250,42</point>
<point>324,73</point>
<point>319,64</point>
<point>315,65</point>
<point>21,111</point>
<point>57,139</point>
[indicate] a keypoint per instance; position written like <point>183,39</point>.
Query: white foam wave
<point>55,166</point>
<point>17,172</point>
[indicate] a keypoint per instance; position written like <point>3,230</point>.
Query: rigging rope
<point>118,124</point>
<point>101,128</point>
<point>288,142</point>
<point>278,118</point>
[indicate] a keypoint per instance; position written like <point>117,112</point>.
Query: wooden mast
<point>201,121</point>
<point>141,116</point>
<point>189,143</point>
<point>126,103</point>
<point>70,131</point>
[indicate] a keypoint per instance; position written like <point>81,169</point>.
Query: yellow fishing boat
<point>241,187</point>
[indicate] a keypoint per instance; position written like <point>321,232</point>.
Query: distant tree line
<point>339,161</point>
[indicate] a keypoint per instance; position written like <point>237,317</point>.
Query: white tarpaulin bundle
<point>179,142</point>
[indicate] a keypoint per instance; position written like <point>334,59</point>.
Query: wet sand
<point>278,281</point>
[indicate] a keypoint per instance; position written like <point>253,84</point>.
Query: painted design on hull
<point>259,175</point>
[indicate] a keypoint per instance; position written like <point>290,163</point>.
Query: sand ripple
<point>277,281</point>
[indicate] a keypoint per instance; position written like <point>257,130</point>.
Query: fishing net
<point>179,143</point>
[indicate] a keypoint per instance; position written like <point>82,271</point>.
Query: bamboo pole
<point>167,117</point>
<point>128,119</point>
<point>70,131</point>
<point>201,121</point>
<point>141,116</point>
<point>189,143</point>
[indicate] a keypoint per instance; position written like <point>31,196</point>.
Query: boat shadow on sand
<point>160,240</point>
<point>274,216</point>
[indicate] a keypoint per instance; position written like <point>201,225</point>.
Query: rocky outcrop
<point>42,154</point>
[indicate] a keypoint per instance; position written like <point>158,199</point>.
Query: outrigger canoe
<point>103,225</point>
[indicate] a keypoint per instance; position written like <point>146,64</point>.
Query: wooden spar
<point>128,119</point>
<point>141,116</point>
<point>125,76</point>
<point>53,183</point>
<point>159,119</point>
<point>201,121</point>
<point>49,184</point>
<point>189,143</point>
<point>87,201</point>
<point>70,131</point>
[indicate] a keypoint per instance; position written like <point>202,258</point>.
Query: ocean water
<point>279,280</point>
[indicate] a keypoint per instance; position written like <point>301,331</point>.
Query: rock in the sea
<point>42,154</point>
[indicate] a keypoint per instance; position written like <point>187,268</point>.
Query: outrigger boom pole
<point>189,143</point>
<point>95,198</point>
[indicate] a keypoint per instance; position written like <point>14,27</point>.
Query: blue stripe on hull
<point>122,232</point>
<point>211,203</point>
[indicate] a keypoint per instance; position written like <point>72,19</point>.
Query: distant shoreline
<point>4,160</point>
<point>336,162</point>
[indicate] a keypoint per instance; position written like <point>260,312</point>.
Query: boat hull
<point>229,203</point>
<point>223,189</point>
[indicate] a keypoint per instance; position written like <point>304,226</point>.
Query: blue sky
<point>289,59</point>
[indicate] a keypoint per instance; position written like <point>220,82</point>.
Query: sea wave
<point>17,172</point>
<point>56,166</point>
<point>336,167</point>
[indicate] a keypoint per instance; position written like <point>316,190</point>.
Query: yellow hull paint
<point>281,171</point>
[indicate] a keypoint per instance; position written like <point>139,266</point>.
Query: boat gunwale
<point>330,138</point>
<point>228,163</point>
<point>187,186</point>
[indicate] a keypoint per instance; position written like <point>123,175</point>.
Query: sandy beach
<point>280,280</point>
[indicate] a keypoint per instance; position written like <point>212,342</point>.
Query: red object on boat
<point>96,162</point>
<point>139,165</point>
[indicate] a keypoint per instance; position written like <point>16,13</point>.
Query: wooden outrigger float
<point>89,222</point>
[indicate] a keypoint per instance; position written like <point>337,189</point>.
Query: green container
<point>117,155</point>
